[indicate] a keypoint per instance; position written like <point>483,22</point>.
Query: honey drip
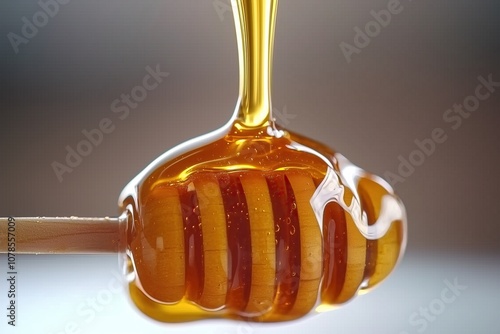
<point>253,221</point>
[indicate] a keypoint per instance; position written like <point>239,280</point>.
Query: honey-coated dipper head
<point>266,227</point>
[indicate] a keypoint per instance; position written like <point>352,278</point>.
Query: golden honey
<point>253,221</point>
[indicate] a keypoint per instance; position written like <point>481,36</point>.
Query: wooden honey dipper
<point>250,221</point>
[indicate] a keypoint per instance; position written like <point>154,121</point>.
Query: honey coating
<point>236,235</point>
<point>252,221</point>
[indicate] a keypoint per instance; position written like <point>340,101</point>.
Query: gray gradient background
<point>395,91</point>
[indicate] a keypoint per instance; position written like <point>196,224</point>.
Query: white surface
<point>55,292</point>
